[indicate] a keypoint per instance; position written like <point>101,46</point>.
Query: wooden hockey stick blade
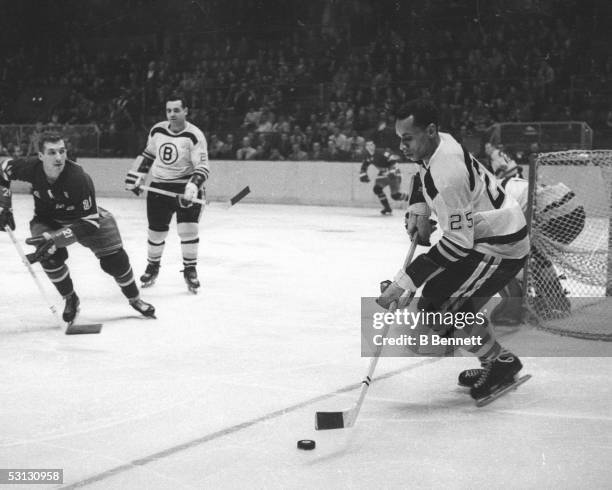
<point>239,197</point>
<point>331,420</point>
<point>83,329</point>
<point>512,386</point>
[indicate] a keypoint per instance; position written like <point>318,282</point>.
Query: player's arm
<point>451,196</point>
<point>12,169</point>
<point>140,168</point>
<point>201,171</point>
<point>87,222</point>
<point>363,171</point>
<point>452,201</point>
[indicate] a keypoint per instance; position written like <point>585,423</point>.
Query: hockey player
<point>177,156</point>
<point>558,219</point>
<point>484,241</point>
<point>388,175</point>
<point>501,163</point>
<point>65,212</point>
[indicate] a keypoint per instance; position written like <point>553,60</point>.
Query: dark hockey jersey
<point>69,201</point>
<point>383,161</point>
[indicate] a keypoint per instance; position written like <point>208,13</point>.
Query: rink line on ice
<point>236,428</point>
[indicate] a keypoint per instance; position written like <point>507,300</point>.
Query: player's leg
<point>106,244</point>
<point>500,366</point>
<point>379,184</point>
<point>159,213</point>
<point>57,271</point>
<point>466,286</point>
<point>395,185</point>
<point>187,219</point>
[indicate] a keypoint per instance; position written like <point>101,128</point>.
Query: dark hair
<point>48,137</point>
<point>424,111</point>
<point>172,97</point>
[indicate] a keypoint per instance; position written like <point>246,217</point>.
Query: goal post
<point>568,277</point>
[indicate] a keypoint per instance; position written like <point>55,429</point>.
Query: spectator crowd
<point>289,80</point>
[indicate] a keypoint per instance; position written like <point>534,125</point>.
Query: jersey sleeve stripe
<point>458,249</point>
<point>448,252</point>
<point>504,239</point>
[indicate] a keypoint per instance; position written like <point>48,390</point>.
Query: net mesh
<point>569,271</point>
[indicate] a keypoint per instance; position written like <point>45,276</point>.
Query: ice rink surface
<point>216,391</point>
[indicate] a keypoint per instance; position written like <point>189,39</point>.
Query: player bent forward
<point>65,212</point>
<point>177,156</point>
<point>484,240</point>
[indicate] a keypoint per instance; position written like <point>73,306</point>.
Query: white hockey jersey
<point>517,188</point>
<point>176,156</point>
<point>472,209</point>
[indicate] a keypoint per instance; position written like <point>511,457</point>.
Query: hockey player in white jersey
<point>484,241</point>
<point>177,155</point>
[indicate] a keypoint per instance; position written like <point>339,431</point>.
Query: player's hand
<point>422,226</point>
<point>417,222</point>
<point>133,181</point>
<point>48,243</point>
<point>364,178</point>
<point>6,213</point>
<point>390,295</point>
<point>191,191</point>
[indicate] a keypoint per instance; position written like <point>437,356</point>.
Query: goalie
<point>558,219</point>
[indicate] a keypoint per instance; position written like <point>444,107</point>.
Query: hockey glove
<point>417,221</point>
<point>48,243</point>
<point>364,178</point>
<point>191,191</point>
<point>392,291</point>
<point>6,213</point>
<point>133,181</point>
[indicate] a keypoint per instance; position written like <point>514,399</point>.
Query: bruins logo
<point>168,153</point>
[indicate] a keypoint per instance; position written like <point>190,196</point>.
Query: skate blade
<point>193,290</point>
<point>502,391</point>
<point>82,329</point>
<point>145,285</point>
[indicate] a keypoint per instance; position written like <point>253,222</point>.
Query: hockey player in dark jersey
<point>389,174</point>
<point>65,212</point>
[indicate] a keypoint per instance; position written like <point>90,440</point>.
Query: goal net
<point>568,286</point>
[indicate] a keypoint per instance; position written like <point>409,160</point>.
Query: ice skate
<point>191,279</point>
<point>144,308</point>
<point>497,378</point>
<point>386,211</point>
<point>71,308</point>
<point>469,377</point>
<point>150,275</point>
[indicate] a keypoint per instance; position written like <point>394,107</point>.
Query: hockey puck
<point>307,444</point>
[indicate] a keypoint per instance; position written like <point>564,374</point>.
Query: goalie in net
<point>558,220</point>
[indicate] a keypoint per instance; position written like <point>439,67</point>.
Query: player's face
<point>53,157</point>
<point>175,112</point>
<point>370,147</point>
<point>417,143</point>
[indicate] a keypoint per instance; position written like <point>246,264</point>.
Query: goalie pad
<point>509,311</point>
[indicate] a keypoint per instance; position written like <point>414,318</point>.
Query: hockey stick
<point>235,199</point>
<point>155,190</point>
<point>347,418</point>
<point>68,329</point>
